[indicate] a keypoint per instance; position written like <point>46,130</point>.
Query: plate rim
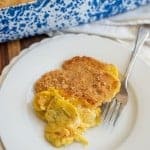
<point>6,70</point>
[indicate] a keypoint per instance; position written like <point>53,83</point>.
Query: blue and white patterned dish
<point>46,15</point>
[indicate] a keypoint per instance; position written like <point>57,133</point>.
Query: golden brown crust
<point>7,3</point>
<point>89,63</point>
<point>82,80</point>
<point>83,60</point>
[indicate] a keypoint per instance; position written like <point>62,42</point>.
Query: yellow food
<point>66,119</point>
<point>62,135</point>
<point>84,78</point>
<point>69,99</point>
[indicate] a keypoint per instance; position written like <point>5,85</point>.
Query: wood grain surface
<point>13,48</point>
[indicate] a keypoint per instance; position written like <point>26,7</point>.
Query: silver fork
<point>113,109</point>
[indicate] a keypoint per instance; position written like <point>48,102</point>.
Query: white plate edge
<point>26,50</point>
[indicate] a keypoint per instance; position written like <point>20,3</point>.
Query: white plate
<point>20,129</point>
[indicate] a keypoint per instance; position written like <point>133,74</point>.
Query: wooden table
<point>11,49</point>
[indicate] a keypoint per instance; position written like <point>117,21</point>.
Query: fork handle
<point>142,35</point>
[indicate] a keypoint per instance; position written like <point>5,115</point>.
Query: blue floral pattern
<point>47,15</point>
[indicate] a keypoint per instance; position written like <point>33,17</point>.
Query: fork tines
<point>112,112</point>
